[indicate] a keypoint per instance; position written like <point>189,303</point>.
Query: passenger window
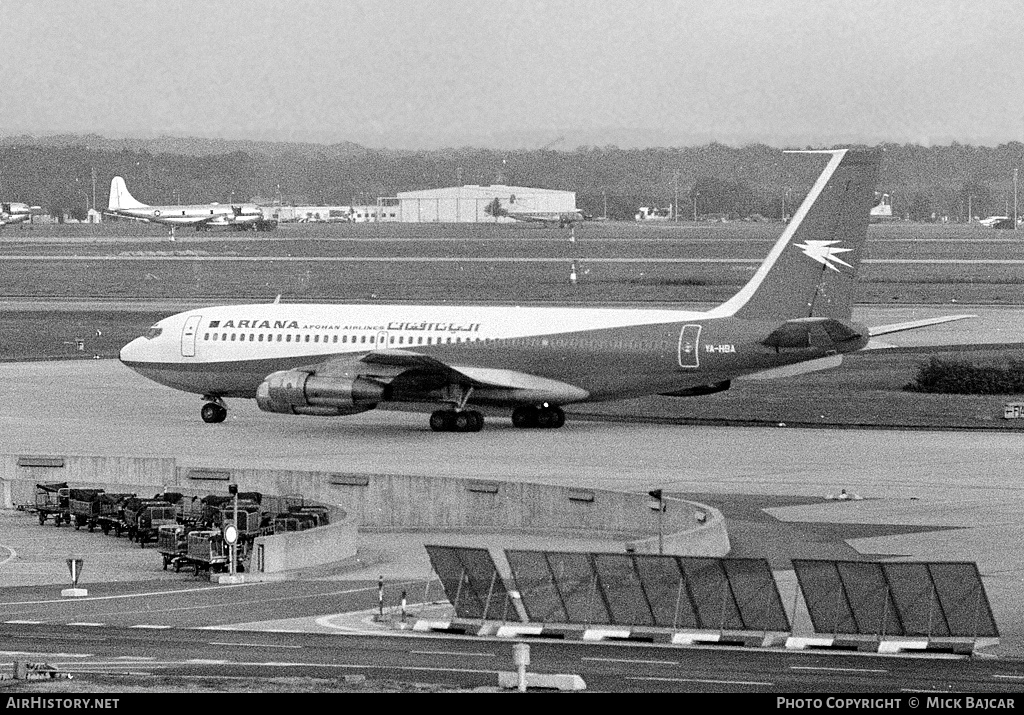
<point>288,338</point>
<point>307,338</point>
<point>223,336</point>
<point>335,338</point>
<point>362,339</point>
<point>401,339</point>
<point>261,337</point>
<point>344,339</point>
<point>279,337</point>
<point>419,341</point>
<point>252,337</point>
<point>215,336</point>
<point>206,336</point>
<point>391,340</point>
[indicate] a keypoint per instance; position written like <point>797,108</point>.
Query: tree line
<point>71,174</point>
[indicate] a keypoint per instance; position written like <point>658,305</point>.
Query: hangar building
<point>468,204</point>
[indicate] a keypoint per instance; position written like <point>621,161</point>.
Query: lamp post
<point>233,554</point>
<point>660,506</point>
<point>1015,198</point>
<point>675,208</point>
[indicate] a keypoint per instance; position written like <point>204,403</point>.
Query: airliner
<point>794,315</point>
<point>242,216</point>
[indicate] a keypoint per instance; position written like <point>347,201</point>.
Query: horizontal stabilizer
<point>914,324</point>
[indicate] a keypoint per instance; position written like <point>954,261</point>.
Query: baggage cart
<point>206,551</point>
<point>84,507</point>
<point>52,501</point>
<point>172,543</point>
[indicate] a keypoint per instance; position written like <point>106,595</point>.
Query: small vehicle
<point>319,514</point>
<point>84,507</point>
<point>172,543</point>
<point>52,501</point>
<point>144,517</point>
<point>293,521</point>
<point>111,512</point>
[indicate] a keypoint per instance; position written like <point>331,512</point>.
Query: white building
<point>468,204</point>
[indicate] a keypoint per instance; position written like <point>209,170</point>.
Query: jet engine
<point>295,392</point>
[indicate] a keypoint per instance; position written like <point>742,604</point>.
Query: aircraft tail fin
<point>811,270</point>
<point>120,198</point>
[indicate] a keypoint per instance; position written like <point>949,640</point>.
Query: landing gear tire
<point>212,413</point>
<point>442,420</point>
<point>550,417</point>
<point>524,417</point>
<point>449,421</point>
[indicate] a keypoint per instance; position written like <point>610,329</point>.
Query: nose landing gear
<point>544,417</point>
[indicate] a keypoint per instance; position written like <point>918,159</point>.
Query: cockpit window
<point>153,332</point>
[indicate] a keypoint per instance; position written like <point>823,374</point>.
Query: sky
<point>422,74</point>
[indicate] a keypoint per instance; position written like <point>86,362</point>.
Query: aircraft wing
<point>417,373</point>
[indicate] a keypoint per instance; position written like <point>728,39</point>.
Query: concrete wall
<point>303,549</point>
<point>400,502</point>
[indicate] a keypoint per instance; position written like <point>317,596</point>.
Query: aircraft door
<point>188,336</point>
<point>689,345</point>
<point>382,340</point>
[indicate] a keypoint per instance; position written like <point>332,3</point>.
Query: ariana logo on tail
<point>824,253</point>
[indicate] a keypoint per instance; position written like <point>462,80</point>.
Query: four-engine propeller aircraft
<point>561,219</point>
<point>794,315</point>
<point>239,216</point>
<point>15,212</point>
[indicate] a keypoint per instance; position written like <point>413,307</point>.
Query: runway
<point>964,484</point>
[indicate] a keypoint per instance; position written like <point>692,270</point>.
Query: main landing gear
<point>452,421</point>
<point>544,417</point>
<point>214,410</point>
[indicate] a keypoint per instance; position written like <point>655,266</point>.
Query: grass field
<point>128,263</point>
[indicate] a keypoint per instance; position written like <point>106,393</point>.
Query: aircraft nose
<point>133,352</point>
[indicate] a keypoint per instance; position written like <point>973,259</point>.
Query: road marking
<point>148,625</point>
<point>702,680</point>
<point>85,624</point>
<point>135,657</point>
<point>494,259</point>
<point>1008,677</point>
<point>45,655</point>
<point>29,623</point>
<point>255,645</point>
<point>627,660</point>
<point>203,661</point>
<point>128,595</point>
<point>454,652</point>
<point>839,670</point>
